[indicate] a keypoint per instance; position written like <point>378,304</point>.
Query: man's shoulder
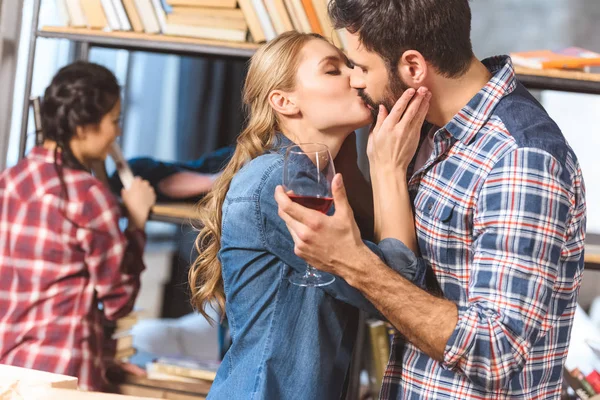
<point>524,122</point>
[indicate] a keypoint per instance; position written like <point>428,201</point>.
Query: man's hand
<point>329,243</point>
<point>395,137</point>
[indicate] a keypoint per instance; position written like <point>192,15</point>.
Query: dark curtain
<point>210,117</point>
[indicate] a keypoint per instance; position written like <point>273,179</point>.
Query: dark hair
<point>80,94</point>
<point>439,29</point>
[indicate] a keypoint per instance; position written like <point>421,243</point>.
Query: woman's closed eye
<point>333,72</point>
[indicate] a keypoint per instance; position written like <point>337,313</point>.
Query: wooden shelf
<point>556,79</point>
<point>149,42</point>
<point>175,213</point>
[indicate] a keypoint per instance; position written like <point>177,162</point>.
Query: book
<point>380,348</point>
<point>122,15</point>
<point>593,379</point>
<point>279,16</point>
<point>147,15</point>
<point>202,32</point>
<point>301,15</point>
<point>575,384</point>
<point>123,169</point>
<point>251,17</point>
<point>111,15</point>
<point>293,15</point>
<point>326,24</point>
<point>311,14</point>
<point>62,13</point>
<point>76,15</point>
<point>94,14</point>
<point>567,58</point>
<point>125,354</point>
<point>264,19</point>
<point>208,17</point>
<point>124,342</point>
<point>204,3</point>
<point>161,16</point>
<point>134,16</point>
<point>186,368</point>
<point>584,383</point>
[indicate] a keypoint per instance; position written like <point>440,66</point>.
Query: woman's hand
<point>138,200</point>
<point>395,137</point>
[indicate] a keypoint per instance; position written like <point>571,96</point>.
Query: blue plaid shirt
<point>500,217</point>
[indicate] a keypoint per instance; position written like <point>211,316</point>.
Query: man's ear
<point>413,68</point>
<point>283,103</point>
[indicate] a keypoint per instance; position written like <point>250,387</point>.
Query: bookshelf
<point>185,213</point>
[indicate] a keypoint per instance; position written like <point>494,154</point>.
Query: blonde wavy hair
<point>273,67</point>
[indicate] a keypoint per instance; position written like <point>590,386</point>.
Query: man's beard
<point>392,93</point>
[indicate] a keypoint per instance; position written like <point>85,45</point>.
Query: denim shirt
<point>288,342</point>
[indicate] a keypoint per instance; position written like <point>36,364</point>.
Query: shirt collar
<point>44,155</point>
<point>465,125</point>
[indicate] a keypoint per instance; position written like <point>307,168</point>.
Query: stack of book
<point>120,332</point>
<point>584,386</point>
<point>231,20</point>
<point>182,370</point>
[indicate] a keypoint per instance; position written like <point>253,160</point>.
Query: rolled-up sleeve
<point>521,222</point>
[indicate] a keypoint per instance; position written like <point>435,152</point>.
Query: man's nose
<point>357,81</point>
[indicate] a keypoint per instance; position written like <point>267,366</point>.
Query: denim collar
<point>281,144</point>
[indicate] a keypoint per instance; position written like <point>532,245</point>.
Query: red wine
<point>321,204</point>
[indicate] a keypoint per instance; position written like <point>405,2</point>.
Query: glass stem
<point>311,271</point>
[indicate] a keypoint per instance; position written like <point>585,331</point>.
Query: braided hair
<point>80,94</point>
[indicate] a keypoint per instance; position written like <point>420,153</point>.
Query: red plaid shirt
<point>60,258</point>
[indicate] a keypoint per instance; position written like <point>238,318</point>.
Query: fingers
<point>297,212</point>
<point>381,116</point>
<point>340,198</point>
<point>398,110</point>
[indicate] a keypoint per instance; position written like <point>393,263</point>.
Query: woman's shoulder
<point>262,173</point>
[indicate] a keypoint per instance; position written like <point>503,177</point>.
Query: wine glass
<point>307,174</point>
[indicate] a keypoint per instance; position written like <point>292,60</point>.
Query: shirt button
<point>429,206</point>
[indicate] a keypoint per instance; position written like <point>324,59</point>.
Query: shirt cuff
<point>461,339</point>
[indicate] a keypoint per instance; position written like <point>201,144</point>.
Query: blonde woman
<point>287,341</point>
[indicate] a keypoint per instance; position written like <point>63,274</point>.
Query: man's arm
<point>521,223</point>
<point>333,244</point>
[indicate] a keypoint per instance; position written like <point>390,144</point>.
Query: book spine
<point>161,17</point>
<point>594,379</point>
<point>584,383</point>
<point>380,347</point>
<point>263,17</point>
<point>76,14</point>
<point>122,15</point>
<point>183,371</point>
<point>575,384</point>
<point>258,35</point>
<point>111,15</point>
<point>62,13</point>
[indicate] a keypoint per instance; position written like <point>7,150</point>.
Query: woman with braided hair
<point>65,263</point>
